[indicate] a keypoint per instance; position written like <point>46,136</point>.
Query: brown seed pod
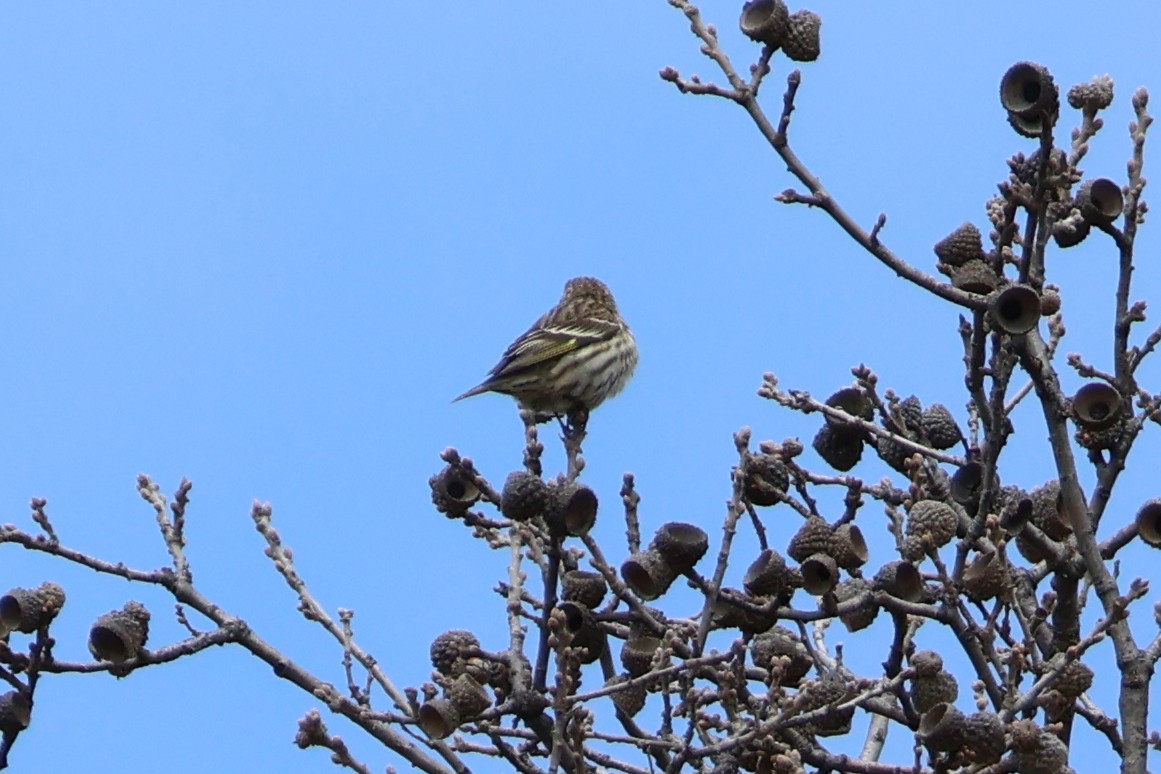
<point>900,579</point>
<point>813,537</point>
<point>940,428</point>
<point>765,479</point>
<point>468,696</point>
<point>848,547</point>
<point>841,450</point>
<point>933,521</point>
<point>803,40</point>
<point>1096,405</point>
<point>943,728</point>
<point>780,642</point>
<point>629,700</point>
<point>726,614</point>
<point>524,497</point>
<point>452,647</point>
<point>929,690</point>
<point>648,574</point>
<point>1100,201</point>
<point>768,575</point>
<point>960,246</point>
<point>681,544</point>
<point>572,509</point>
<point>1148,523</point>
<point>120,635</point>
<point>638,651</point>
<point>984,738</point>
<point>985,577</point>
<point>1027,90</point>
<point>26,610</point>
<point>765,21</point>
<point>15,712</point>
<point>975,277</point>
<point>438,718</point>
<point>587,588</point>
<point>865,615</point>
<point>453,492</point>
<point>1015,309</point>
<point>819,574</point>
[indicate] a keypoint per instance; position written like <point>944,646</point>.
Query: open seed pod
<point>120,635</point>
<point>853,401</point>
<point>439,718</point>
<point>943,728</point>
<point>900,579</point>
<point>681,544</point>
<point>975,277</point>
<point>468,696</point>
<point>587,588</point>
<point>1148,524</point>
<point>1100,201</point>
<point>573,509</point>
<point>1015,309</point>
<point>819,574</point>
<point>985,577</point>
<point>1096,405</point>
<point>848,547</point>
<point>765,21</point>
<point>1015,513</point>
<point>728,615</point>
<point>648,574</point>
<point>630,700</point>
<point>15,712</point>
<point>1027,90</point>
<point>768,575</point>
<point>453,491</point>
<point>1048,510</point>
<point>586,632</point>
<point>26,610</point>
<point>966,483</point>
<point>638,651</point>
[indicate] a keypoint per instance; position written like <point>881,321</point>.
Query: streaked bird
<point>579,354</point>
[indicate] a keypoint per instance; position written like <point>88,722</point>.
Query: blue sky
<point>262,245</point>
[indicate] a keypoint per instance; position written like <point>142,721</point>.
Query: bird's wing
<point>541,344</point>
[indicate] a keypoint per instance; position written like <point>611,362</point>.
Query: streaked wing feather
<point>539,345</point>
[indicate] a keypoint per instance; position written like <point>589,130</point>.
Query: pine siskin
<point>573,358</point>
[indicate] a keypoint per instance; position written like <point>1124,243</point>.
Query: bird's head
<point>589,293</point>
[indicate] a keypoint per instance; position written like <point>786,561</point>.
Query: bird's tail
<point>477,390</point>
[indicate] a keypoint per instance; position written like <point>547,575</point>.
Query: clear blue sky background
<point>263,244</point>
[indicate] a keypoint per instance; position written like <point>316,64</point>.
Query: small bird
<point>576,356</point>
